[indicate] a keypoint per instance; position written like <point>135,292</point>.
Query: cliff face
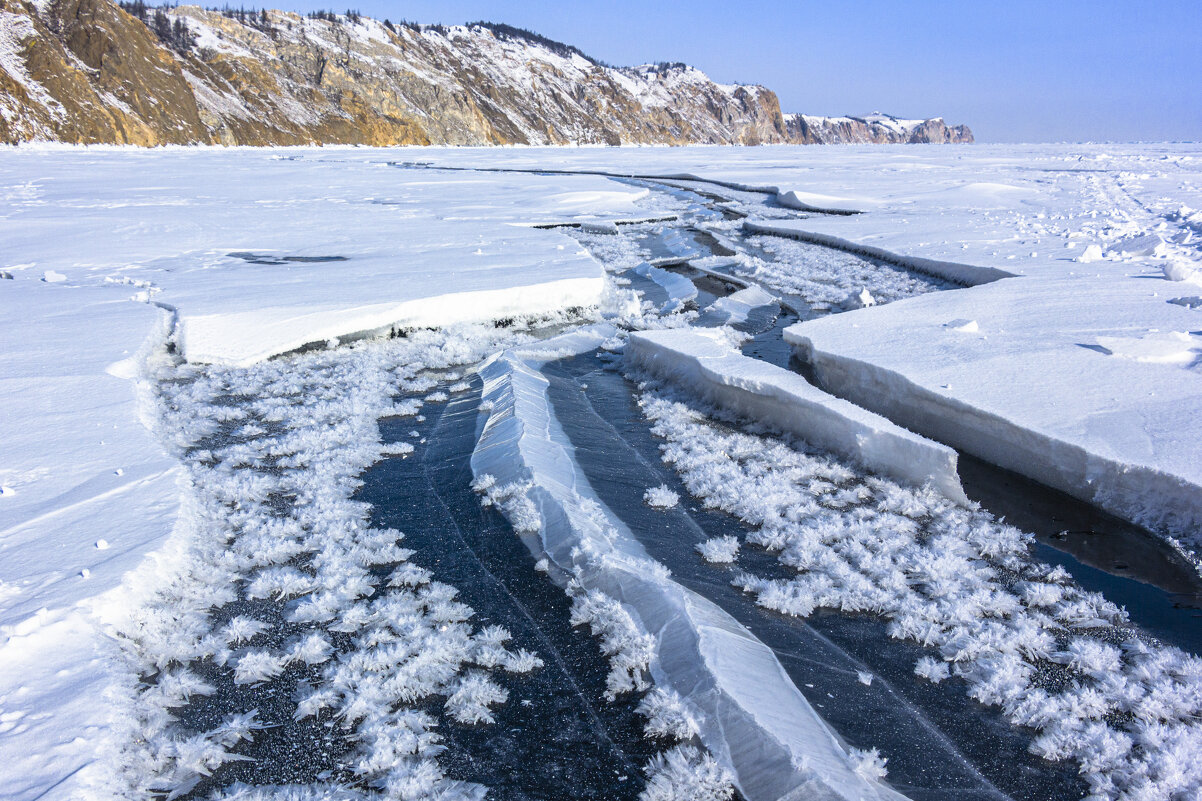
<point>876,128</point>
<point>85,71</point>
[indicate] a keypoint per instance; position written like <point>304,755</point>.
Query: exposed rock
<point>85,71</point>
<point>876,128</point>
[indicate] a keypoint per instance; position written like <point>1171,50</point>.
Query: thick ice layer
<point>242,338</point>
<point>1017,374</point>
<point>750,716</point>
<point>786,401</point>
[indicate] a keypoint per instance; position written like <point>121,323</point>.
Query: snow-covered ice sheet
<point>264,251</point>
<point>1026,375</point>
<point>749,714</point>
<point>702,363</point>
<point>87,493</point>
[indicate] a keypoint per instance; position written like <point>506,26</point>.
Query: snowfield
<point>199,347</point>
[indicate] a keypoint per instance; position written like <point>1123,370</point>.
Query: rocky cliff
<point>89,71</point>
<point>876,128</point>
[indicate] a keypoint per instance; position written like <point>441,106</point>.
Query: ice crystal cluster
<point>629,648</point>
<point>1056,659</point>
<point>286,590</point>
<point>661,497</point>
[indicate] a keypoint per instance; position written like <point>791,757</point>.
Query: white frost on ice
<point>701,363</point>
<point>661,497</point>
<point>719,550</point>
<point>1055,658</point>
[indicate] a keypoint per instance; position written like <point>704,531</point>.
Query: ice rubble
<point>749,715</point>
<point>700,362</point>
<point>735,307</point>
<point>1056,659</point>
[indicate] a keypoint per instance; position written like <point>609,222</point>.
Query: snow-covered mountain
<point>876,127</point>
<point>91,71</point>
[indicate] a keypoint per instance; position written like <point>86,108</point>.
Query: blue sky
<point>1018,71</point>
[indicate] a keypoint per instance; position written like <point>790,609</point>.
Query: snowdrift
<point>781,399</point>
<point>751,717</point>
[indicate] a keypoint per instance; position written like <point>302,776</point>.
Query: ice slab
<point>215,332</point>
<point>680,289</point>
<point>1084,383</point>
<point>776,397</point>
<point>752,718</point>
<point>808,201</point>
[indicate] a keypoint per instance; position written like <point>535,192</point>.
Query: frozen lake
<point>381,501</point>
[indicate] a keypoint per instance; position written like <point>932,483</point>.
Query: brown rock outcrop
<point>85,71</point>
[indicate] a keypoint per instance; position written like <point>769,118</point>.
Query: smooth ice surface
<point>750,715</point>
<point>701,363</point>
